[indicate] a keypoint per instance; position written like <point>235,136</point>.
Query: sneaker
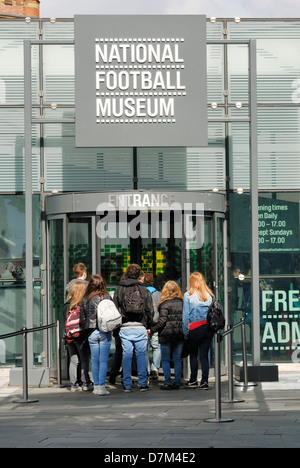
<point>175,386</point>
<point>166,387</point>
<point>154,374</point>
<point>75,388</point>
<point>203,386</point>
<point>126,390</point>
<point>144,389</point>
<point>88,388</point>
<point>190,384</point>
<point>102,390</point>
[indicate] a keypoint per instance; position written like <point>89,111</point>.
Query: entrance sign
<point>140,80</point>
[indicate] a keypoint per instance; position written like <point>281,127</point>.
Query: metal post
<point>254,206</point>
<point>58,354</point>
<point>218,418</point>
<point>245,361</point>
<point>230,370</point>
<point>25,371</point>
<point>28,191</point>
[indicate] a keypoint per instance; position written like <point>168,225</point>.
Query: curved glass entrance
<point>169,234</point>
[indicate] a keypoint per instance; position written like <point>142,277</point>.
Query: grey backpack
<point>108,316</point>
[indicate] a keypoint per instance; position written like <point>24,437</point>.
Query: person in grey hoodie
<point>135,304</point>
<point>80,273</point>
<point>148,281</point>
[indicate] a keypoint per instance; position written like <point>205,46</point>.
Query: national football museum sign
<point>140,81</point>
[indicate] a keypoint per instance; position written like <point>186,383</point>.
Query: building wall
<point>20,7</point>
<point>59,166</point>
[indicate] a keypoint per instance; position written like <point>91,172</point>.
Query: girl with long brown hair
<point>194,323</point>
<point>99,341</point>
<point>78,348</point>
<point>170,336</point>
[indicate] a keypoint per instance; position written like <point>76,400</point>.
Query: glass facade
<point>57,165</point>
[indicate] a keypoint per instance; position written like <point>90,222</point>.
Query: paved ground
<point>269,417</point>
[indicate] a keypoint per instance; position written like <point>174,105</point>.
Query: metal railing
<point>218,338</point>
<point>24,332</point>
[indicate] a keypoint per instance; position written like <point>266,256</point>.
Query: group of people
<point>166,320</point>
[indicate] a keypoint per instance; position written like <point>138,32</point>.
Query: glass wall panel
<point>278,149</point>
<point>12,36</point>
<point>279,257</point>
<point>238,73</point>
<point>185,168</point>
<point>12,273</point>
<point>215,73</point>
<point>38,320</point>
<point>80,244</point>
<point>59,74</point>
<point>68,168</point>
<point>12,164</point>
<point>60,29</point>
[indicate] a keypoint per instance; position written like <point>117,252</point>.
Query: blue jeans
<point>137,339</point>
<point>99,346</point>
<point>173,350</point>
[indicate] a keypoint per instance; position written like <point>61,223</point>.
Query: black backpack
<point>215,318</point>
<point>133,300</point>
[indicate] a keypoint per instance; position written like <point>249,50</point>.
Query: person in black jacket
<point>170,334</point>
<point>134,302</point>
<point>78,348</point>
<point>99,341</point>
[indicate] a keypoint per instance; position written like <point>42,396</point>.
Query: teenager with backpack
<point>148,281</point>
<point>75,339</point>
<point>135,304</point>
<point>196,303</point>
<point>99,341</point>
<point>170,335</point>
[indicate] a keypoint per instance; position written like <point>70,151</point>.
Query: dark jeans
<point>79,362</point>
<point>199,338</point>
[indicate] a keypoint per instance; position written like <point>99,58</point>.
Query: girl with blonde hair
<point>170,336</point>
<point>78,348</point>
<point>196,302</point>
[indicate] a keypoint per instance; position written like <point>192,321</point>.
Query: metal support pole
<point>25,371</point>
<point>255,306</point>
<point>28,191</point>
<point>245,384</point>
<point>58,354</point>
<point>230,370</point>
<point>218,418</point>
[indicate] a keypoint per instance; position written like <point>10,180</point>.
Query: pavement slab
<point>176,420</point>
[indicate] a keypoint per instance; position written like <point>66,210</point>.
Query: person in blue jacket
<point>196,302</point>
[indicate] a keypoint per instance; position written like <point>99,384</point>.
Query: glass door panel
<point>80,244</point>
<point>57,277</point>
<point>161,247</point>
<point>115,253</point>
<point>199,247</point>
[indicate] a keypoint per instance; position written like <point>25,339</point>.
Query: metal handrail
<point>24,332</point>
